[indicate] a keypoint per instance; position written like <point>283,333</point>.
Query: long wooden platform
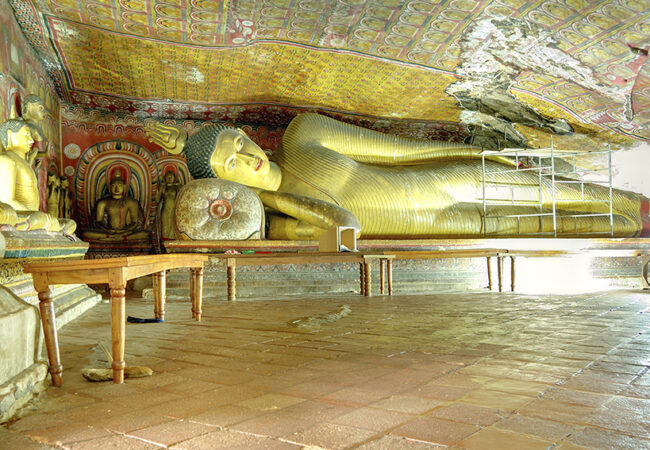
<point>364,259</point>
<point>447,248</point>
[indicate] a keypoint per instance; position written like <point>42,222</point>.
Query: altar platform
<point>573,264</point>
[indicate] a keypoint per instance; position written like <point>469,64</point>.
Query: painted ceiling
<point>498,72</point>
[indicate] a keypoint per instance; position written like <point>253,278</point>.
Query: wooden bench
<point>364,259</point>
<point>593,252</point>
<point>115,272</point>
<point>450,253</point>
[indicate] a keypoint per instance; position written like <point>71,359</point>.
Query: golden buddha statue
<point>117,216</point>
<point>327,173</point>
<point>19,190</point>
<point>33,114</point>
<point>167,201</point>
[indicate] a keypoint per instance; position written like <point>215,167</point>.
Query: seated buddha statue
<point>33,114</point>
<point>327,173</point>
<point>117,216</point>
<point>19,199</point>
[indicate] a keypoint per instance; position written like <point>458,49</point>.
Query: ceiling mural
<point>500,72</point>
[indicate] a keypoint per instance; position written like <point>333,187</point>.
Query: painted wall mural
<point>22,74</point>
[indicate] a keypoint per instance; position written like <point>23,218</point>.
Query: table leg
<point>196,283</point>
<point>366,278</point>
<point>644,272</point>
<point>512,273</point>
<point>500,272</point>
<point>118,318</point>
<point>489,270</point>
<point>362,280</point>
<point>46,305</point>
<point>232,279</point>
<point>159,294</point>
<point>382,263</point>
<point>389,275</point>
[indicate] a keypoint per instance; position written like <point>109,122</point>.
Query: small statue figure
<point>117,216</point>
<point>65,201</point>
<point>19,189</point>
<point>167,200</point>
<point>53,195</point>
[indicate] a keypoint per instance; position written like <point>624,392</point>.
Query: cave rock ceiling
<point>497,72</point>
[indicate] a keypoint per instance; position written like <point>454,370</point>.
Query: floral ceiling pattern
<point>526,69</point>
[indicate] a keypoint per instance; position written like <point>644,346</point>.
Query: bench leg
<point>46,305</point>
<point>366,278</point>
<point>382,264</point>
<point>196,285</point>
<point>118,318</point>
<point>389,275</point>
<point>489,271</point>
<point>500,272</point>
<point>232,279</point>
<point>512,273</point>
<point>644,273</point>
<point>159,294</point>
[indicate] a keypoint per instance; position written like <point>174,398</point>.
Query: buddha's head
<point>230,154</point>
<point>16,135</point>
<point>117,185</point>
<point>33,108</point>
<point>169,177</point>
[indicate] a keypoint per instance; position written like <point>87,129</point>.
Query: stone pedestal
<point>23,367</point>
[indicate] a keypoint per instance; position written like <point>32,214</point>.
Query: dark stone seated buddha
<point>117,217</point>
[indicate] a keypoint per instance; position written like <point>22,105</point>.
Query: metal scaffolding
<point>559,167</point>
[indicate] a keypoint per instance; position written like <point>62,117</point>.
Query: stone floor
<point>471,370</point>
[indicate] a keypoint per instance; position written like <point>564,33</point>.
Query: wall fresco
<point>21,74</point>
<point>378,61</point>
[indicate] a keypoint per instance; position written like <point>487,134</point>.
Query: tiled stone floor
<point>471,370</point>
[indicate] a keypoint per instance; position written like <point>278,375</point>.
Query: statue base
<point>118,247</point>
<point>23,366</point>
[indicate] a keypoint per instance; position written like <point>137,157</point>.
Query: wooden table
<point>452,253</point>
<point>257,259</point>
<point>592,252</point>
<point>115,272</point>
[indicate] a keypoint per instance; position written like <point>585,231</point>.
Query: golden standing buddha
<point>328,173</point>
<point>167,200</point>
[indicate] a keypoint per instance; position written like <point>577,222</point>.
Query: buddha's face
<point>237,158</point>
<point>117,188</point>
<point>20,140</point>
<point>170,178</point>
<point>35,111</point>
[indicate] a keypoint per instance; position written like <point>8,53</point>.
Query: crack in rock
<point>496,50</point>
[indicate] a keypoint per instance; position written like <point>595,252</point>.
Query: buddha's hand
<point>170,138</point>
<point>8,216</point>
<point>321,214</point>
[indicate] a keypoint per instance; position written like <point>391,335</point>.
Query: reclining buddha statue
<point>327,173</point>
